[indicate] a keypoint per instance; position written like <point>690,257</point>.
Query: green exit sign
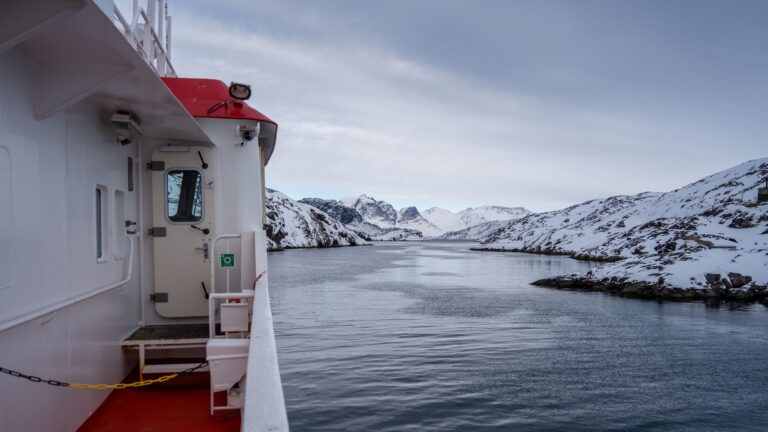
<point>227,260</point>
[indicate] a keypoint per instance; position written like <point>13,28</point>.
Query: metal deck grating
<point>169,332</point>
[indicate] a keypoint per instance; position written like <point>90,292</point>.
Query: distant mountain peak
<point>449,221</point>
<point>408,214</point>
<point>432,222</point>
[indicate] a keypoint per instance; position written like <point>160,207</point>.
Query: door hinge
<point>159,298</point>
<point>156,165</point>
<point>157,232</point>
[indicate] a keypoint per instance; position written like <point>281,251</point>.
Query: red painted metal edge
<point>205,97</point>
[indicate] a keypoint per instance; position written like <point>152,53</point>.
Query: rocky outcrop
<point>476,232</point>
<point>555,252</point>
<point>380,213</point>
<point>335,209</point>
<point>408,214</point>
<point>717,289</point>
<point>291,224</point>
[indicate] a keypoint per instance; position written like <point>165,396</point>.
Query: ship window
<point>130,174</point>
<point>101,221</point>
<point>120,240</point>
<point>184,195</point>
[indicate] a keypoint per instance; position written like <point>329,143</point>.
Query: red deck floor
<point>181,404</point>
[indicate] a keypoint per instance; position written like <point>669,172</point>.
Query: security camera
<point>127,127</point>
<point>247,133</point>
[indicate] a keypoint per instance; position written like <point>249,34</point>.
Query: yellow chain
<point>120,386</point>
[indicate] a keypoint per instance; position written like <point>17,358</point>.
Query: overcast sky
<point>462,103</point>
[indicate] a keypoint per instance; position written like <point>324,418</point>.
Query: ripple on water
<point>432,337</point>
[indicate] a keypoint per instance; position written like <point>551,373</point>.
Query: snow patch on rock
<point>710,226</point>
<point>292,224</point>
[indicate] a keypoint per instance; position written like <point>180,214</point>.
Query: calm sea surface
<point>434,337</point>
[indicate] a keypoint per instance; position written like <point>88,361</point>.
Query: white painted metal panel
<point>6,219</point>
<point>264,403</point>
<point>56,163</point>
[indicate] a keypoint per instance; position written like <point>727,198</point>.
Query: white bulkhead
<point>78,262</point>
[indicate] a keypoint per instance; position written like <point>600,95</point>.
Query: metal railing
<point>225,237</point>
<point>264,407</point>
<point>149,33</point>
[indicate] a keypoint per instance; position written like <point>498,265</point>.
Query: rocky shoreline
<point>734,287</point>
<point>555,252</point>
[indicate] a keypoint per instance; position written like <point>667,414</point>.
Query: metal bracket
<point>159,298</point>
<point>204,249</point>
<point>158,232</point>
<point>156,165</point>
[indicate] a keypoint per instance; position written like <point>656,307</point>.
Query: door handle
<point>205,231</point>
<point>204,249</point>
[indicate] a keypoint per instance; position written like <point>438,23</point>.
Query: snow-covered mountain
<point>383,215</point>
<point>410,218</point>
<point>475,232</point>
<point>292,224</point>
<point>690,237</point>
<point>353,220</point>
<point>379,213</point>
<point>378,220</point>
<point>448,221</point>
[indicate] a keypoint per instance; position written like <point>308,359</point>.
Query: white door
<point>183,228</point>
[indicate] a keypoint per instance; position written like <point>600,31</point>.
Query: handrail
<point>77,299</point>
<point>160,61</point>
<point>212,294</point>
<point>264,407</point>
<point>213,258</point>
<point>228,296</point>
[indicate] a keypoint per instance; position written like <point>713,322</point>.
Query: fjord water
<point>434,337</point>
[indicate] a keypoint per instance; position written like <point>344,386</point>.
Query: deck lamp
<point>240,91</point>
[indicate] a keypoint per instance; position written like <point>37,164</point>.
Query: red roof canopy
<point>200,96</point>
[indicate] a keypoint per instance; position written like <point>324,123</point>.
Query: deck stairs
<point>225,342</point>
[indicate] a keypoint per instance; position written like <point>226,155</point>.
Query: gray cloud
<point>457,104</point>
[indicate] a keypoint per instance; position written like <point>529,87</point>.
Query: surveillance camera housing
<point>127,127</point>
<point>247,133</point>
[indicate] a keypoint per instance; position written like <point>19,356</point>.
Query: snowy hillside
<point>410,218</point>
<point>293,224</point>
<point>476,232</point>
<point>448,221</point>
<point>713,226</point>
<point>353,220</point>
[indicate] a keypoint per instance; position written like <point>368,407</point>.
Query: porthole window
<point>184,192</point>
<point>101,222</point>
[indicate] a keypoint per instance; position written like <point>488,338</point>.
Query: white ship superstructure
<point>131,219</point>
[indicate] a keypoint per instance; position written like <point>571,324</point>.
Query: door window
<point>184,195</point>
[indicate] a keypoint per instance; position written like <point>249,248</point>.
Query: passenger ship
<point>132,244</point>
